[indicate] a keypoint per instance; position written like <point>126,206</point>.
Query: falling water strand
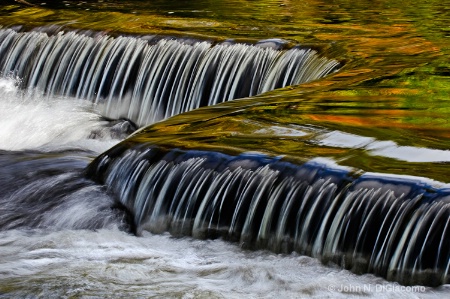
<point>394,227</point>
<point>147,81</point>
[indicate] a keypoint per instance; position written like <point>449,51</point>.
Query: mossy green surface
<point>393,86</point>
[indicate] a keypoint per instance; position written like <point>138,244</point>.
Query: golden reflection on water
<point>394,84</point>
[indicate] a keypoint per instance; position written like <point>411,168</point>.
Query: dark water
<point>385,113</point>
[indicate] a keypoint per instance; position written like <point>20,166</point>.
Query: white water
<point>111,263</point>
<point>33,121</point>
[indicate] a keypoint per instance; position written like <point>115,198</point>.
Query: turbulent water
<point>52,260</point>
<point>110,263</point>
<point>351,170</point>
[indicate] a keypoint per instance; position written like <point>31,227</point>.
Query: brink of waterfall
<point>147,79</point>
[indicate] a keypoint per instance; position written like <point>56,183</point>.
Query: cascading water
<point>42,162</point>
<point>147,80</point>
<point>396,227</point>
<point>393,226</point>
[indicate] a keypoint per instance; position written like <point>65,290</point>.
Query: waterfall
<point>390,225</point>
<point>149,79</point>
<point>396,227</point>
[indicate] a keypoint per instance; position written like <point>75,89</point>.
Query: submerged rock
<point>114,129</point>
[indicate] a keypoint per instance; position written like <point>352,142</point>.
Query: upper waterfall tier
<point>150,80</point>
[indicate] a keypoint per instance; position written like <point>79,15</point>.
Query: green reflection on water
<point>394,84</point>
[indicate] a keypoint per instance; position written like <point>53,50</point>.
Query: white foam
<point>7,86</point>
<point>110,263</point>
<point>36,121</point>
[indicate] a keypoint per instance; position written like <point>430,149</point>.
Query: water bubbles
<point>8,86</point>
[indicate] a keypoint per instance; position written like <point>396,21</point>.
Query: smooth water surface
<point>392,89</point>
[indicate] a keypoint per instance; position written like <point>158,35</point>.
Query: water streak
<point>48,190</point>
<point>149,80</point>
<point>393,226</point>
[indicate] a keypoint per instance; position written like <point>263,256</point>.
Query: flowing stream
<point>60,237</point>
<point>193,150</point>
